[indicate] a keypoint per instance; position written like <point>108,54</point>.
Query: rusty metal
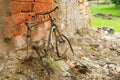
<point>37,50</point>
<point>57,33</point>
<point>59,37</point>
<point>47,12</point>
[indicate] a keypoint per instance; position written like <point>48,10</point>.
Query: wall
<point>25,5</point>
<point>73,15</point>
<point>17,31</point>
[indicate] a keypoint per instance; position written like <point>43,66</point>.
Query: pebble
<point>66,74</point>
<point>118,69</point>
<point>117,35</point>
<point>62,65</point>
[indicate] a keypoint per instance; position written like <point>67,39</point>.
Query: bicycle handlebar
<point>47,12</point>
<point>30,25</point>
<point>39,22</point>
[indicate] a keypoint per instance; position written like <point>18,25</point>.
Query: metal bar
<point>39,22</point>
<point>47,12</point>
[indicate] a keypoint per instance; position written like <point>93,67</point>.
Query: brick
<point>15,7</point>
<point>44,1</point>
<point>25,6</point>
<point>18,16</point>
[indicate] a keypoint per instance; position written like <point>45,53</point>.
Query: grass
<point>106,9</point>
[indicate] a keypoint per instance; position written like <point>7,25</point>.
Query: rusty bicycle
<point>58,41</point>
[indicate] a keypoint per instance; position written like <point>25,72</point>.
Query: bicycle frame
<point>29,27</point>
<point>54,28</point>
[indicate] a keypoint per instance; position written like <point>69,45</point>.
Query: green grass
<point>106,9</point>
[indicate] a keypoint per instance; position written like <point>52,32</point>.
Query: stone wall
<point>73,15</point>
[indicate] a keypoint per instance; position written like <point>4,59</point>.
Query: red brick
<point>25,5</point>
<point>44,1</point>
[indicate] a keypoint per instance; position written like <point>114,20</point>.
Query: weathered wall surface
<point>73,15</point>
<point>23,10</point>
<point>16,8</point>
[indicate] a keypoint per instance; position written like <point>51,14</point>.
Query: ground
<point>96,57</point>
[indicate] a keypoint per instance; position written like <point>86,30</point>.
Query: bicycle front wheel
<point>63,46</point>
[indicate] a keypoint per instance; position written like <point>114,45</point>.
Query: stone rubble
<point>96,58</point>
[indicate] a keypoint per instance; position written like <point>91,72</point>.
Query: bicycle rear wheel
<point>63,46</point>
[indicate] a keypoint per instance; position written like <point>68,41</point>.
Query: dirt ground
<point>96,57</point>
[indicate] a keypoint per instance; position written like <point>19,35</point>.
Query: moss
<point>50,63</point>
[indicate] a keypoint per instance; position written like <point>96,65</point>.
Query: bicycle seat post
<point>28,35</point>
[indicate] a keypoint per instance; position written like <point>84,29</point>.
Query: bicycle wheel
<point>63,46</point>
<point>52,43</point>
